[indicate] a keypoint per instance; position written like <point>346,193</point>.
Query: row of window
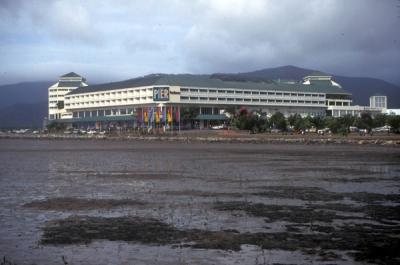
<point>112,93</point>
<point>184,98</point>
<point>338,103</point>
<point>248,92</point>
<point>60,89</point>
<point>125,100</point>
<point>103,112</point>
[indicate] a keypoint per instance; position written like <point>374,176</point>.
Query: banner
<point>151,115</point>
<point>146,116</point>
<point>169,115</point>
<point>164,116</point>
<point>177,114</point>
<point>158,115</point>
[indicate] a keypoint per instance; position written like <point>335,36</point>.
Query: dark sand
<point>135,202</point>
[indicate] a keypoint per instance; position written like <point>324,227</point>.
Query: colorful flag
<point>151,115</point>
<point>158,116</point>
<point>164,116</point>
<point>177,114</point>
<point>169,115</point>
<point>146,115</point>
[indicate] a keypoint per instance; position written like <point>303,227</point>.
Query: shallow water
<point>180,184</point>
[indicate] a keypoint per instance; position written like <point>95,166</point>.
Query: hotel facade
<point>158,99</point>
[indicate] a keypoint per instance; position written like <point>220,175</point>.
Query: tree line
<point>259,122</point>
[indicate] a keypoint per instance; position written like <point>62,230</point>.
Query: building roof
<point>70,83</point>
<point>318,73</point>
<point>206,81</point>
<point>71,74</point>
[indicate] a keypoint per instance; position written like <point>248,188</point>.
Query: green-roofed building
<point>203,100</point>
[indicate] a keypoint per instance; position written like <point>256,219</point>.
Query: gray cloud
<point>127,38</point>
<point>333,35</point>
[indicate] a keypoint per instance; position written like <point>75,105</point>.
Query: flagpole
<point>172,118</point>
<point>179,116</point>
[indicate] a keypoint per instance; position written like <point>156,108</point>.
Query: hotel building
<point>148,100</point>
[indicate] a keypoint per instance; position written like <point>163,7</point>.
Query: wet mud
<point>370,243</point>
<point>111,202</point>
<point>70,204</point>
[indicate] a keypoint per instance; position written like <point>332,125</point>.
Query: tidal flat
<point>158,202</point>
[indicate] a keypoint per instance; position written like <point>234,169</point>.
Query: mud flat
<point>223,136</point>
<point>161,202</point>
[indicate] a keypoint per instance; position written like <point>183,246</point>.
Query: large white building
<point>57,92</point>
<point>162,98</point>
<point>378,105</point>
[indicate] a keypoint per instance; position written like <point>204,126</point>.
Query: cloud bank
<point>112,40</point>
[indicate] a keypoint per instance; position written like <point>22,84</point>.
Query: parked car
<point>324,131</point>
<point>275,131</point>
<point>385,128</point>
<point>353,129</point>
<point>218,127</point>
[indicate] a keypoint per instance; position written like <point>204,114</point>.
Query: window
<point>184,89</point>
<point>184,98</point>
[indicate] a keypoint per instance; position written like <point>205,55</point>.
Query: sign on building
<point>161,93</point>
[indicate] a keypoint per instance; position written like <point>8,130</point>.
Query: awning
<point>215,117</point>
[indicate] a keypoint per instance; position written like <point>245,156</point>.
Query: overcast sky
<point>113,40</point>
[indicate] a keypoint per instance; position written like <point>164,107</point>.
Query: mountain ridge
<point>32,96</point>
